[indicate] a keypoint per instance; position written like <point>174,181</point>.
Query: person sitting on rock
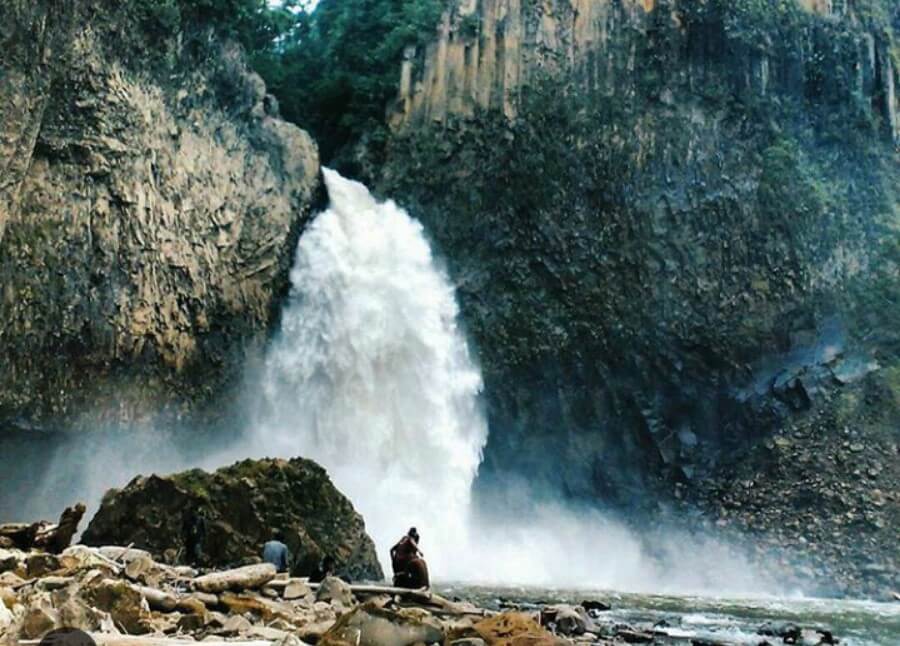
<point>410,570</point>
<point>406,549</point>
<point>276,552</point>
<point>324,569</point>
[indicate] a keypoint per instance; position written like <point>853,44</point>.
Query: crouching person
<point>410,569</point>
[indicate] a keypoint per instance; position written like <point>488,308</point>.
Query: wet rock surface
<point>823,491</point>
<point>233,511</point>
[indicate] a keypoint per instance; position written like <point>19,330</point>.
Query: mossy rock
<point>242,505</point>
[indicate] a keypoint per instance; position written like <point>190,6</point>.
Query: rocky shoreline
<point>138,579</point>
<point>823,489</point>
<point>121,596</point>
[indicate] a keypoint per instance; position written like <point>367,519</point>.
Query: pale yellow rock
<point>157,599</point>
<point>8,597</point>
<point>10,579</point>
<point>334,590</point>
<point>6,615</point>
<point>368,625</point>
<point>296,590</point>
<point>125,604</point>
<point>191,604</point>
<point>39,618</point>
<point>83,557</point>
<point>247,577</point>
<point>236,625</point>
<point>123,554</point>
<point>75,612</point>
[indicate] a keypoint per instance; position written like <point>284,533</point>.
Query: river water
<point>717,619</point>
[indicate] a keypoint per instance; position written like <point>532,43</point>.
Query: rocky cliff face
<point>668,222</point>
<point>150,200</point>
<point>487,52</point>
<point>240,505</point>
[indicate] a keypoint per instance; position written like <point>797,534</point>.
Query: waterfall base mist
<point>371,376</point>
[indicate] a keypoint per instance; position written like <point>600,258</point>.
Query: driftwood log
<point>242,578</point>
<point>419,597</point>
<point>93,552</point>
<point>370,589</point>
<point>157,599</point>
<point>53,538</point>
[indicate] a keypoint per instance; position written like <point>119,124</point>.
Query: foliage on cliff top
<point>253,23</point>
<point>334,67</point>
<point>336,70</point>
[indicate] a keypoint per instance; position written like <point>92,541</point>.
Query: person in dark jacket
<point>276,552</point>
<point>410,570</point>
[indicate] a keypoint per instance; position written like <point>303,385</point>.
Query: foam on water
<point>716,619</point>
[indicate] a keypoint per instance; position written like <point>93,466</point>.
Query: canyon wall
<point>150,202</point>
<point>672,226</point>
<point>486,51</point>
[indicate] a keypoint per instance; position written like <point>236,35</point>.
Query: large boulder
<point>6,616</point>
<point>242,504</point>
<point>125,604</point>
<point>514,629</point>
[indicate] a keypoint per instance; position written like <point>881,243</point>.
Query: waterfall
<point>370,374</point>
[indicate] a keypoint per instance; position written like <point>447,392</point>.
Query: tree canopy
<point>335,70</point>
<point>333,64</point>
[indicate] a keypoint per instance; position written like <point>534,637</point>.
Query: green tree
<point>333,65</point>
<point>337,68</point>
<point>255,24</point>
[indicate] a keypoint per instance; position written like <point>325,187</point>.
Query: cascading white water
<point>370,374</point>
